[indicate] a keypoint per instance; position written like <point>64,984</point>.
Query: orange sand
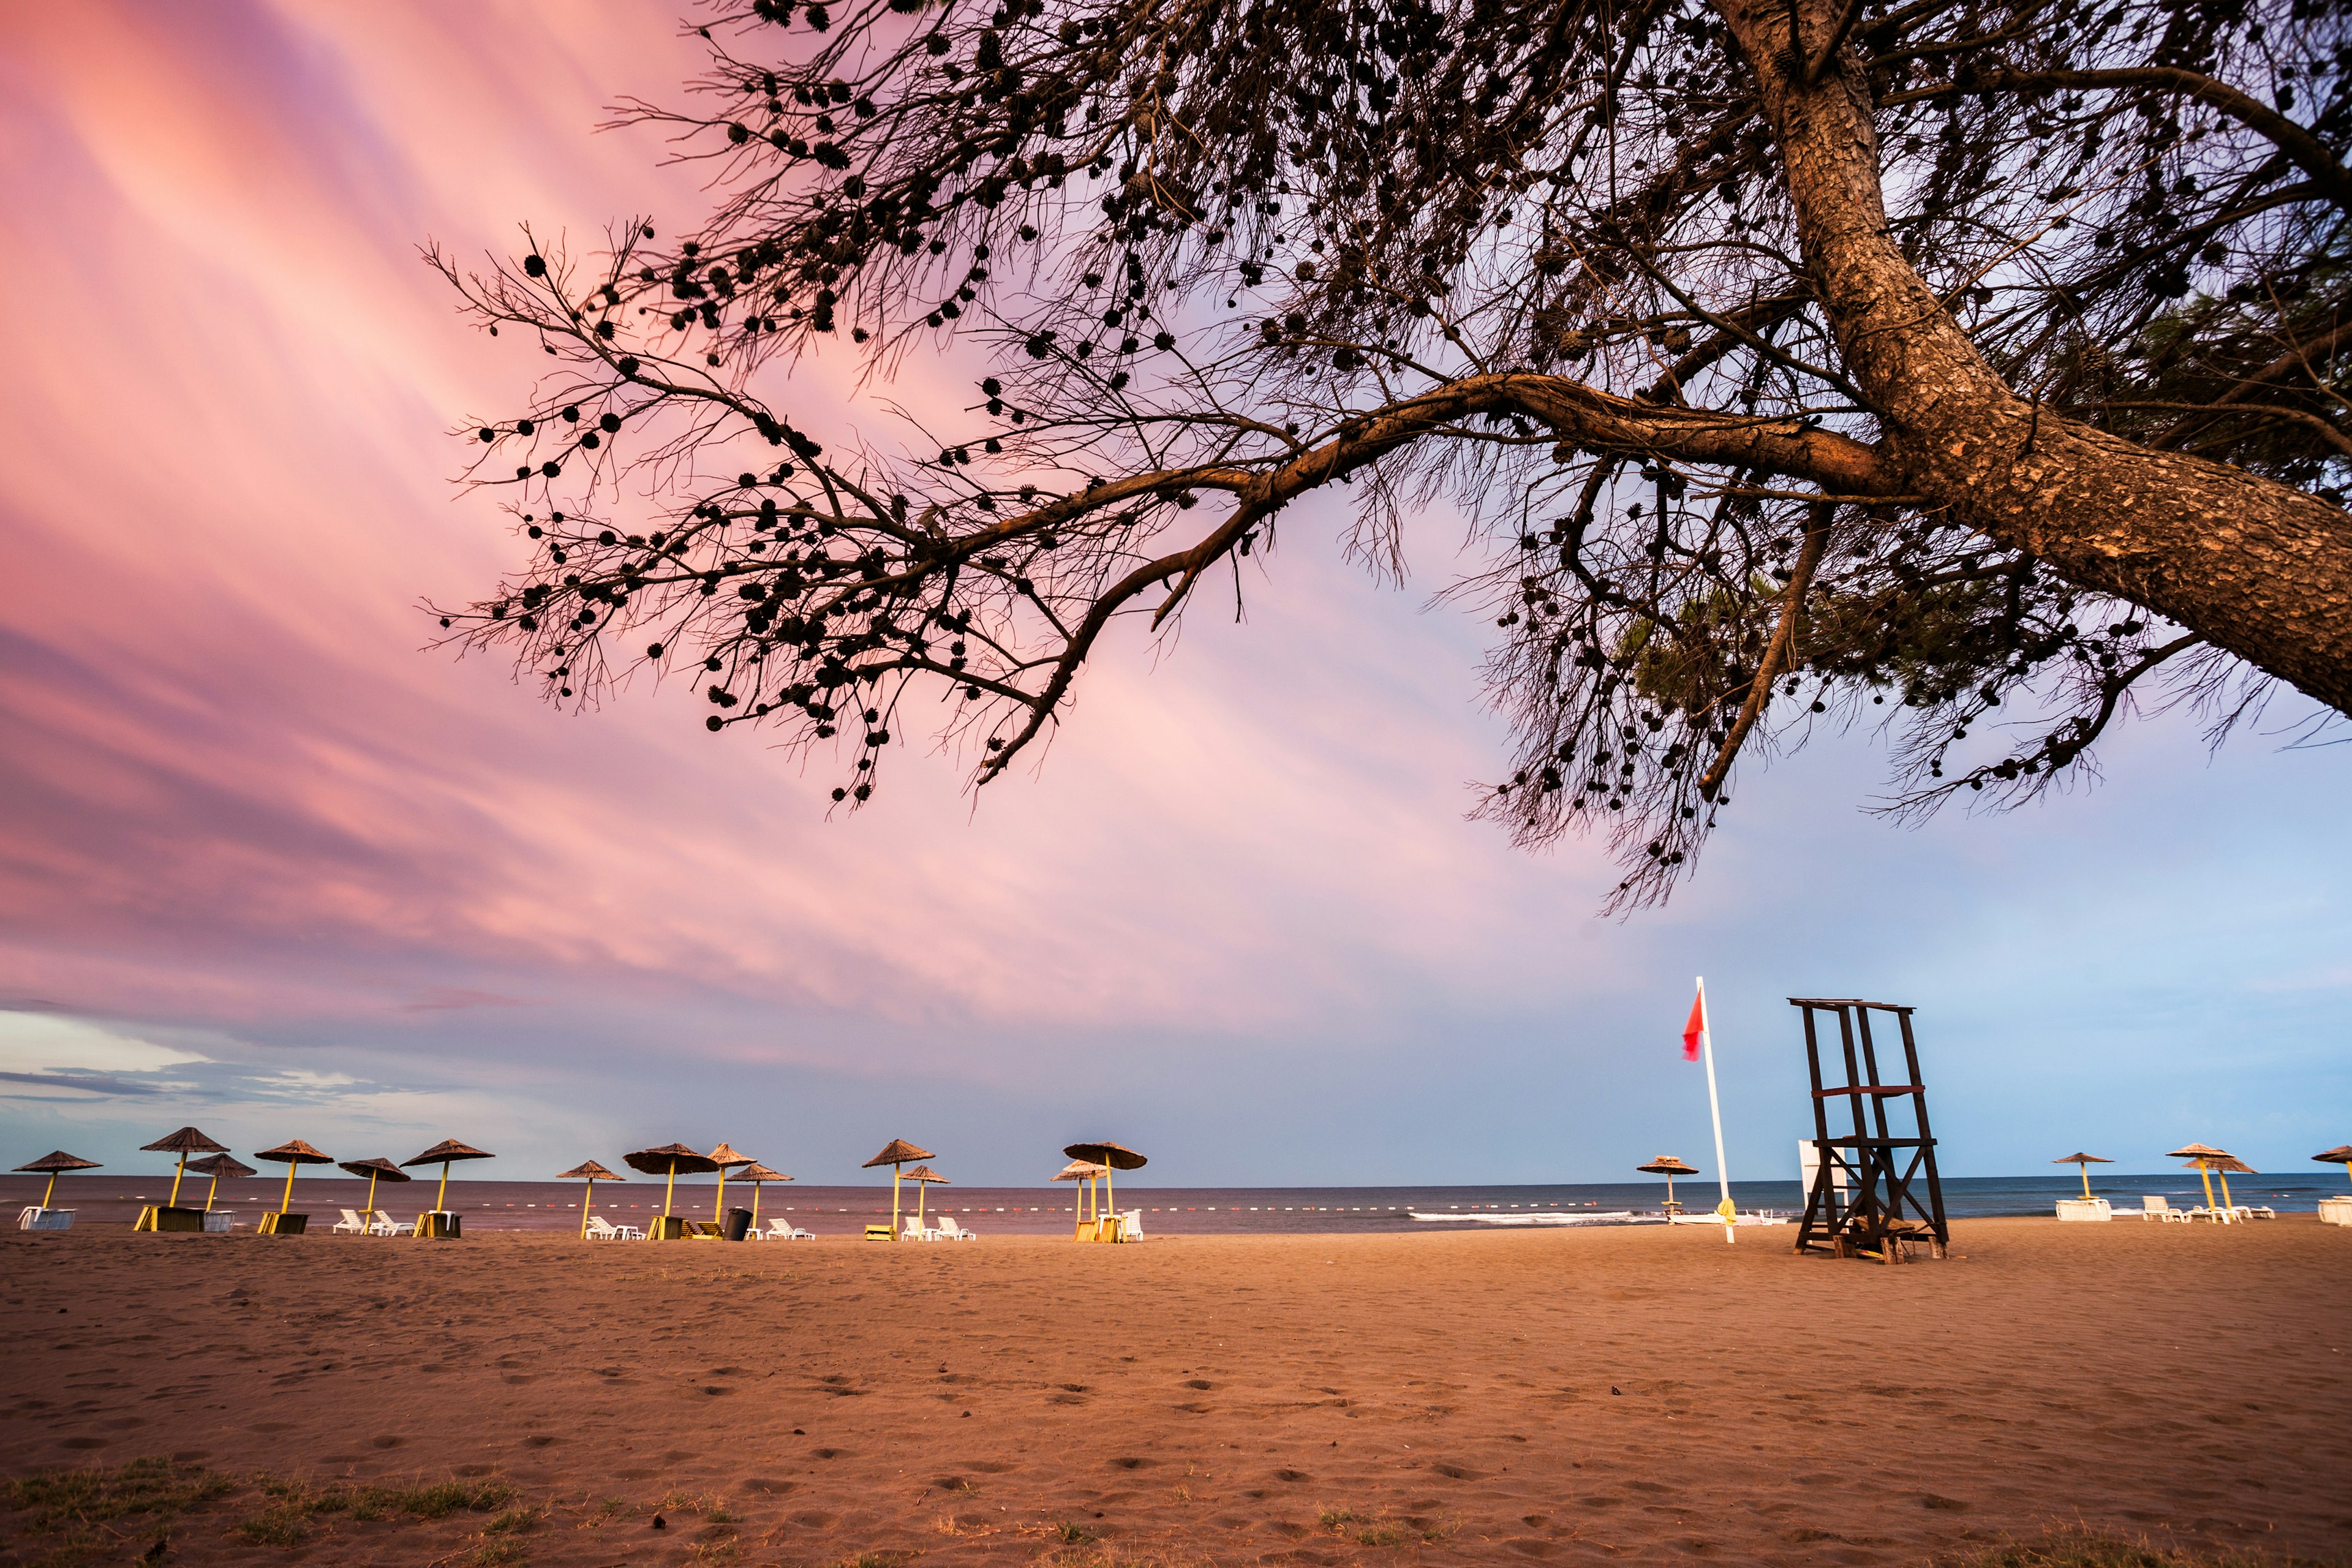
<point>1567,1397</point>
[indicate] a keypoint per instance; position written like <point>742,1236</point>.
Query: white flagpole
<point>1715,1109</point>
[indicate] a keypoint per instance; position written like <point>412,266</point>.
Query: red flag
<point>1692,1030</point>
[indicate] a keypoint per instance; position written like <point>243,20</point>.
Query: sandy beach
<point>1563,1397</point>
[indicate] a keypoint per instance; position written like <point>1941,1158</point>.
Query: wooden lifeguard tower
<point>1875,1190</point>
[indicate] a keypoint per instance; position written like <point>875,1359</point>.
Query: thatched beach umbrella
<point>187,1140</point>
<point>2339,1155</point>
<point>293,1154</point>
<point>53,1161</point>
<point>2086,1162</point>
<point>219,1166</point>
<point>2227,1166</point>
<point>756,1174</point>
<point>725,1158</point>
<point>923,1176</point>
<point>667,1161</point>
<point>379,1167</point>
<point>1669,1166</point>
<point>1080,1171</point>
<point>2200,1155</point>
<point>591,1172</point>
<point>895,1153</point>
<point>444,1152</point>
<point>1114,1155</point>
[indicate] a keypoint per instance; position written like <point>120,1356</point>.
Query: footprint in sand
<point>386,1442</point>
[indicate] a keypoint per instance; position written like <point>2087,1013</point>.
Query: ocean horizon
<point>499,1205</point>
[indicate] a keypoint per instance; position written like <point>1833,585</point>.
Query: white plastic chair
<point>350,1224</point>
<point>913,1231</point>
<point>780,1229</point>
<point>35,1217</point>
<point>600,1229</point>
<point>386,1224</point>
<point>1130,1226</point>
<point>951,1231</point>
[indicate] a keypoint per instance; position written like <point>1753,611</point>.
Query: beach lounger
<point>599,1229</point>
<point>2256,1211</point>
<point>783,1230</point>
<point>386,1225</point>
<point>2155,1207</point>
<point>914,1231</point>
<point>350,1224</point>
<point>38,1218</point>
<point>1130,1226</point>
<point>219,1222</point>
<point>951,1231</point>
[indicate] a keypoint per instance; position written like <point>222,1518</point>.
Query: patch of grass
<point>872,1559</point>
<point>2089,1549</point>
<point>441,1498</point>
<point>1071,1530</point>
<point>497,1554</point>
<point>514,1521</point>
<point>1340,1517</point>
<point>86,1513</point>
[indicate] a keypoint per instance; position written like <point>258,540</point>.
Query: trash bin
<point>738,1224</point>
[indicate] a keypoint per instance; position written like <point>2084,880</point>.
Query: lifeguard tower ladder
<point>1866,1198</point>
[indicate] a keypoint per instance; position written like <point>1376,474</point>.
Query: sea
<point>99,1198</point>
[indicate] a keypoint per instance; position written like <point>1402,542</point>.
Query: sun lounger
<point>783,1230</point>
<point>1130,1226</point>
<point>350,1224</point>
<point>951,1231</point>
<point>914,1230</point>
<point>2255,1211</point>
<point>385,1224</point>
<point>2154,1206</point>
<point>38,1218</point>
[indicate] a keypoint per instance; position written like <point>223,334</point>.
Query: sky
<point>270,866</point>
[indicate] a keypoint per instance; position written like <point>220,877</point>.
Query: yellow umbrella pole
<point>586,1204</point>
<point>371,1201</point>
<point>1110,1199</point>
<point>2086,1180</point>
<point>922,1192</point>
<point>2205,1173</point>
<point>669,1186</point>
<point>175,1181</point>
<point>894,1202</point>
<point>755,1206</point>
<point>441,1198</point>
<point>52,1191</point>
<point>2230,1207</point>
<point>288,1201</point>
<point>719,1205</point>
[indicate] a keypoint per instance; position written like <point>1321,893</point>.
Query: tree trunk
<point>2254,567</point>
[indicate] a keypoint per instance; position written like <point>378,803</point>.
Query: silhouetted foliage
<point>2062,431</point>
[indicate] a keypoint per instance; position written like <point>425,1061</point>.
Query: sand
<point>1560,1397</point>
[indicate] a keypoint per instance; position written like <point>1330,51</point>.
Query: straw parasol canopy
<point>2084,1162</point>
<point>895,1153</point>
<point>293,1154</point>
<point>592,1172</point>
<point>373,1170</point>
<point>725,1157</point>
<point>2339,1155</point>
<point>923,1176</point>
<point>1669,1166</point>
<point>2202,1156</point>
<point>1080,1171</point>
<point>756,1174</point>
<point>1114,1156</point>
<point>56,1162</point>
<point>667,1161</point>
<point>446,1151</point>
<point>187,1140</point>
<point>217,1166</point>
